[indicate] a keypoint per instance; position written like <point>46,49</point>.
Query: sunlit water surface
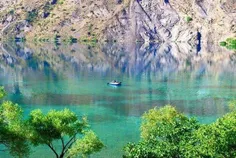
<point>33,82</point>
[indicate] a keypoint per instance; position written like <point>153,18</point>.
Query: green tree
<point>12,134</point>
<point>214,140</point>
<point>48,129</point>
<point>86,146</point>
<point>64,127</point>
<point>168,133</point>
<point>163,132</point>
<point>31,16</point>
<point>2,92</point>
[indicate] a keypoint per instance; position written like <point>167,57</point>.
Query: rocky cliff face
<point>197,22</point>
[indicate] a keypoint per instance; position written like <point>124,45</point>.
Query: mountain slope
<point>123,20</point>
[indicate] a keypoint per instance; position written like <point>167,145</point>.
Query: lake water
<point>75,77</point>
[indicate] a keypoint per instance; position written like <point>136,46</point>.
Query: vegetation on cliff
<point>230,43</point>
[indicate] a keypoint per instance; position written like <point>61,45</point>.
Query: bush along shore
<point>229,43</point>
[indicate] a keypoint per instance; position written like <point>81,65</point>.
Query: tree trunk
<point>61,156</point>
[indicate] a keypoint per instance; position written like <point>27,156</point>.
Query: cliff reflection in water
<point>197,83</point>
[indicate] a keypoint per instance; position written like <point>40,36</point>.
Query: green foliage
<point>56,38</point>
<point>89,144</point>
<point>232,105</point>
<point>44,129</point>
<point>143,149</point>
<point>90,27</point>
<point>72,40</point>
<point>230,43</point>
<point>54,125</point>
<point>226,134</point>
<point>31,16</point>
<point>61,2</point>
<point>92,41</point>
<point>167,133</point>
<point>163,131</point>
<point>91,38</point>
<point>189,19</point>
<point>223,43</point>
<point>12,131</point>
<point>60,125</point>
<point>12,11</point>
<point>10,113</point>
<point>214,140</point>
<point>155,120</point>
<point>43,39</point>
<point>2,92</point>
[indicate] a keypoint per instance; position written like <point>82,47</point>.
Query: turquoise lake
<point>75,77</point>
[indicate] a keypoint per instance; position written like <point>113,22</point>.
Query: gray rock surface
<point>129,20</point>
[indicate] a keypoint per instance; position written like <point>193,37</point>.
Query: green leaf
<point>87,145</point>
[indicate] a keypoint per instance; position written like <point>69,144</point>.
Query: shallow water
<point>47,78</point>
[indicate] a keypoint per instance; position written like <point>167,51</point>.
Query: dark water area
<point>75,77</point>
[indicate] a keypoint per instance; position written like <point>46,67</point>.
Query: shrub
<point>189,19</point>
<point>72,40</point>
<point>230,43</point>
<point>12,11</point>
<point>31,16</point>
<point>167,133</point>
<point>223,43</point>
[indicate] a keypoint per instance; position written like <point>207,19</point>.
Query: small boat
<point>114,83</point>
